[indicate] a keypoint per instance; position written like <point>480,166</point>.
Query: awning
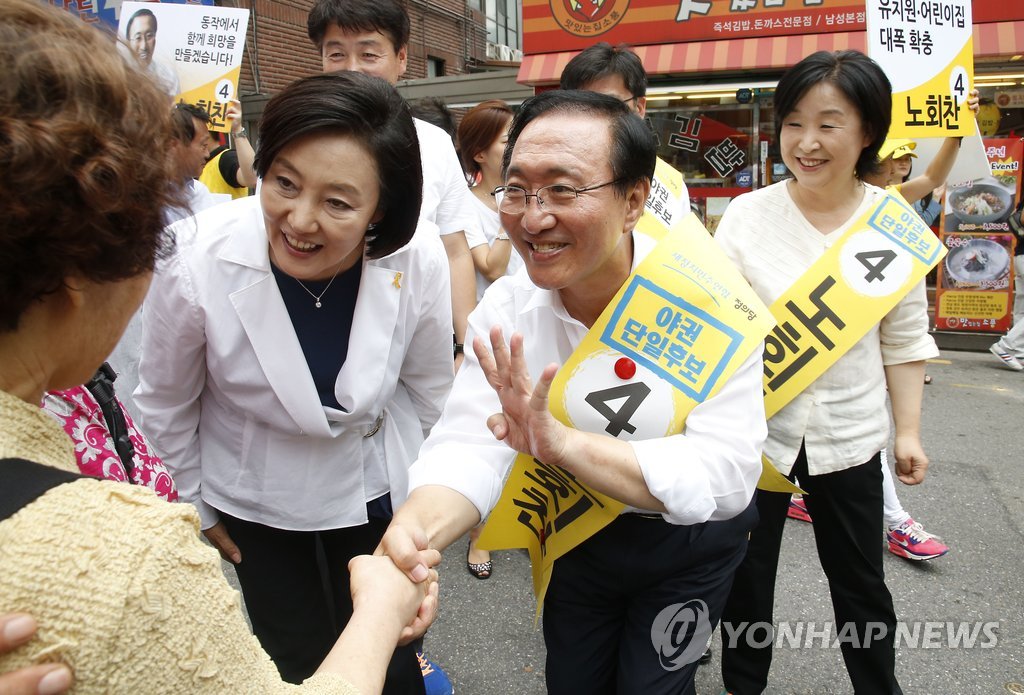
<point>771,52</point>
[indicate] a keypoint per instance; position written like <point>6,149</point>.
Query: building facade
<point>713,67</point>
<point>448,37</point>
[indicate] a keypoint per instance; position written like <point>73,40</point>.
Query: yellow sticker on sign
<point>973,304</point>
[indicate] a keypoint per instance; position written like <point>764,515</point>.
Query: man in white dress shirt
<point>578,170</point>
<point>372,37</point>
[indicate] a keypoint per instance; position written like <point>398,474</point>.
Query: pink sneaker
<point>798,509</point>
<point>912,542</point>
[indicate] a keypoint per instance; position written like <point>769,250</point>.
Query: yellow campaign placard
<point>664,203</point>
<point>926,49</point>
<point>193,52</point>
<point>678,328</point>
<point>210,98</point>
<point>665,197</point>
<point>872,266</point>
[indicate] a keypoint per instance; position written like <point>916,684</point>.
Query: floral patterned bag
<point>108,445</point>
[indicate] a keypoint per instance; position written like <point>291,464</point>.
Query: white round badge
<point>598,399</point>
<point>873,265</point>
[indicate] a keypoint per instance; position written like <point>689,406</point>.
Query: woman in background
<point>482,135</point>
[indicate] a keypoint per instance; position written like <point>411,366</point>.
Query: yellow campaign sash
<point>872,266</point>
<point>660,209</point>
<point>677,329</point>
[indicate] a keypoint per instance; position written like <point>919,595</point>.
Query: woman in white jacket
<point>295,351</point>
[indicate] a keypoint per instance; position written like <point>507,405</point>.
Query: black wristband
<point>459,350</point>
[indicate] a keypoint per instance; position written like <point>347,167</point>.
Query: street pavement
<point>973,432</point>
<point>973,497</point>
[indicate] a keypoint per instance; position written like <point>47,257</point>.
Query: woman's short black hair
<point>633,148</point>
<point>369,110</point>
<point>858,78</point>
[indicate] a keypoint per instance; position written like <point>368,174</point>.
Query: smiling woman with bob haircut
<point>832,114</point>
<point>294,353</point>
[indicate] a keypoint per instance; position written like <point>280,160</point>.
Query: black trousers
<point>296,589</point>
<point>847,510</point>
<point>606,594</point>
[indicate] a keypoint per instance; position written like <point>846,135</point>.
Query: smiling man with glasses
<point>554,198</point>
<point>577,171</point>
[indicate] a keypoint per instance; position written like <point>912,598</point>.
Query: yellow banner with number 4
<point>871,267</point>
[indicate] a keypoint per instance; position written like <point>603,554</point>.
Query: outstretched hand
<point>524,423</point>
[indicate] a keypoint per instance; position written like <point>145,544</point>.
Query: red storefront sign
<point>563,25</point>
<point>551,26</point>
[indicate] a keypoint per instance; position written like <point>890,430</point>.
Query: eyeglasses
<point>557,197</point>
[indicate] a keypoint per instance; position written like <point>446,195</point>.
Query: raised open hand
<point>524,423</point>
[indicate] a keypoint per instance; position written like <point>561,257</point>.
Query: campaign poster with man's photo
<point>194,52</point>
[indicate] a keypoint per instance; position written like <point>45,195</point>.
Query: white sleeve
<point>461,453</point>
<point>903,332</point>
<point>709,472</point>
<point>172,375</point>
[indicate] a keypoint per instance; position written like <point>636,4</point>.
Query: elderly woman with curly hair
<point>120,586</point>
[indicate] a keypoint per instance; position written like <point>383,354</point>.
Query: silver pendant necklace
<point>317,297</point>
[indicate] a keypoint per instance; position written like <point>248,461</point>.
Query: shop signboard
<point>193,52</point>
<point>568,25</point>
<point>722,149</point>
<point>108,12</point>
<point>1010,99</point>
<point>975,283</point>
<point>926,49</point>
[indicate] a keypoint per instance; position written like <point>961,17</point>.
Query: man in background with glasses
<point>577,171</point>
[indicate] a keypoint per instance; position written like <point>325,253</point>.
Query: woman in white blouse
<point>832,115</point>
<point>295,350</point>
<point>482,135</point>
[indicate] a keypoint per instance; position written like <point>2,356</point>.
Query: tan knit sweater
<point>122,588</point>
